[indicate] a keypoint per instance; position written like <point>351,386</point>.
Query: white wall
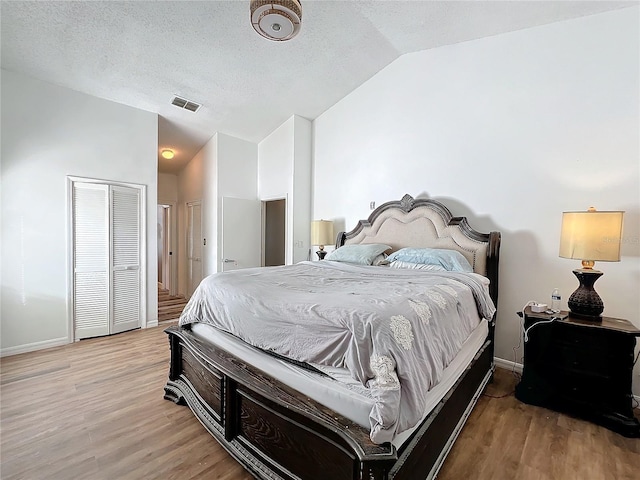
<point>190,189</point>
<point>284,171</point>
<point>510,131</point>
<point>167,188</point>
<point>275,162</point>
<point>49,132</point>
<point>210,202</point>
<point>302,138</point>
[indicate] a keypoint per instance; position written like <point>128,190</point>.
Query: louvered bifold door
<point>125,259</point>
<point>91,260</point>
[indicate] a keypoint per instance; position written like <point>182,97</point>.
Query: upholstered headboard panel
<point>427,223</point>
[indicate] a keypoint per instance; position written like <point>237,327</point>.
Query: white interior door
<point>241,233</point>
<point>194,246</point>
<point>125,259</point>
<point>90,260</point>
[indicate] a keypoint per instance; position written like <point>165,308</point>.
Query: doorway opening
<point>164,247</point>
<point>274,233</point>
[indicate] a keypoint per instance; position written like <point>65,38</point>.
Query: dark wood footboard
<point>276,432</point>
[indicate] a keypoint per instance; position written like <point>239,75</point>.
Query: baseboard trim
<point>32,347</point>
<point>152,323</point>
<point>508,364</point>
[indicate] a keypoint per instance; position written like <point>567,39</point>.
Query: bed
<point>265,413</point>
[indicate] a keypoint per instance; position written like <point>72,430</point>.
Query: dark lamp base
<point>585,303</point>
<point>321,254</point>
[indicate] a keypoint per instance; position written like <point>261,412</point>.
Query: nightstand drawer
<point>599,396</point>
<point>588,338</point>
<point>585,362</point>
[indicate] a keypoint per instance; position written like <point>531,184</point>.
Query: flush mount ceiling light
<point>277,20</point>
<point>168,154</point>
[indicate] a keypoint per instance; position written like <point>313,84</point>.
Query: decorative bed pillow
<point>363,254</point>
<point>417,266</point>
<point>450,260</point>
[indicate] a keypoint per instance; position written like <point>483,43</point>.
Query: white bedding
<point>348,398</point>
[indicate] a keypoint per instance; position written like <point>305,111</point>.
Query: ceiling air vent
<point>184,103</point>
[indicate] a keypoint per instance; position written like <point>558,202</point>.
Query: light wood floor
<point>71,413</point>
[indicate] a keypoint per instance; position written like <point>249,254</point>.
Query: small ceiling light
<point>277,20</point>
<point>168,154</point>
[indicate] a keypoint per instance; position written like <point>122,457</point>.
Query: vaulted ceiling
<point>142,53</point>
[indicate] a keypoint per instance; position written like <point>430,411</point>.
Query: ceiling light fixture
<point>277,20</point>
<point>168,154</point>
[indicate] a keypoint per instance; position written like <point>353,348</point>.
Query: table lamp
<point>589,236</point>
<point>321,235</point>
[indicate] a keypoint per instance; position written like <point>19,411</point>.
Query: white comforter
<point>394,330</point>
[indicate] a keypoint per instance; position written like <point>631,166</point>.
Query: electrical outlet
<point>372,205</point>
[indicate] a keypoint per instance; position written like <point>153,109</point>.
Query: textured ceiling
<point>141,53</point>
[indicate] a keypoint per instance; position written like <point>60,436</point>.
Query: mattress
<point>336,389</point>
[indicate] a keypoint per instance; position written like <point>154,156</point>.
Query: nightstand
<point>582,368</point>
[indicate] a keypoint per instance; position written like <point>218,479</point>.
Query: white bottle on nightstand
<point>555,300</point>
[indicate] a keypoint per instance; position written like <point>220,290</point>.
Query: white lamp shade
<point>591,235</point>
<point>322,232</point>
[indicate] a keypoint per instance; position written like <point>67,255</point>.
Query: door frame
<point>170,261</point>
<point>71,180</point>
<point>186,237</point>
<point>263,232</point>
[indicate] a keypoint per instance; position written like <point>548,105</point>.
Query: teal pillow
<point>362,254</point>
<point>451,260</point>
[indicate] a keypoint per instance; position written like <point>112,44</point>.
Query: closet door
<point>125,259</point>
<point>91,259</point>
<point>107,276</point>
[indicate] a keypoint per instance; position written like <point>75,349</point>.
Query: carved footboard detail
<point>173,393</point>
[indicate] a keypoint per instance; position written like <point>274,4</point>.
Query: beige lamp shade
<point>322,232</point>
<point>591,235</point>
